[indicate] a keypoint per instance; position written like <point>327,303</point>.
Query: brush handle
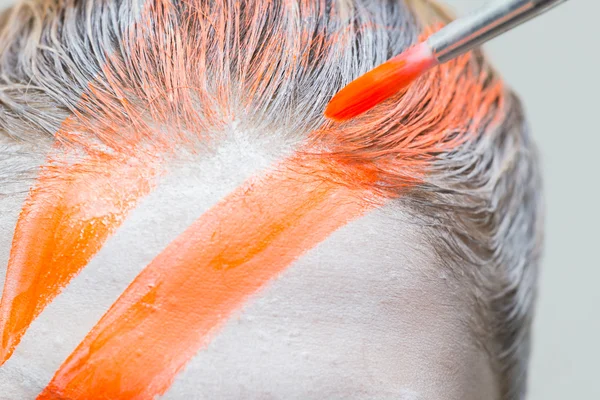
<point>493,19</point>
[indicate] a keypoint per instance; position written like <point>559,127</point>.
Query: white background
<point>553,64</point>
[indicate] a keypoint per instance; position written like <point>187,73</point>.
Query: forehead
<point>366,311</point>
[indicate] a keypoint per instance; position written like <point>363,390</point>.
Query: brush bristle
<point>379,84</point>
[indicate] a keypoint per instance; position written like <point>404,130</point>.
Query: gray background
<point>552,63</point>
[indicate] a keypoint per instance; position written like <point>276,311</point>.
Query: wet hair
<point>190,69</point>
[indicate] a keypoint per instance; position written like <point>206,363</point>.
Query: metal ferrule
<point>493,19</point>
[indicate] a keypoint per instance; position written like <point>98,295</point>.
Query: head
<point>178,219</point>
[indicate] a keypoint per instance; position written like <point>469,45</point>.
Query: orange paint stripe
<point>67,217</point>
<point>171,309</point>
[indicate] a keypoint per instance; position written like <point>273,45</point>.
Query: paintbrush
<point>458,37</point>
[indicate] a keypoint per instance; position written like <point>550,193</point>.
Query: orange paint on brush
<point>381,83</point>
<point>71,211</point>
<point>173,307</point>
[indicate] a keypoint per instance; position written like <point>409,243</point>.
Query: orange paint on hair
<point>403,138</point>
<point>174,306</point>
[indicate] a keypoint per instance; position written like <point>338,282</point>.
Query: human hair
<point>454,148</point>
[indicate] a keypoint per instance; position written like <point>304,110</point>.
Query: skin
<point>345,320</point>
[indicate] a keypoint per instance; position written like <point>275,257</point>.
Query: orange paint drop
<point>174,306</point>
<point>66,219</point>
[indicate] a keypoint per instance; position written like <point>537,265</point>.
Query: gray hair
<point>479,204</point>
